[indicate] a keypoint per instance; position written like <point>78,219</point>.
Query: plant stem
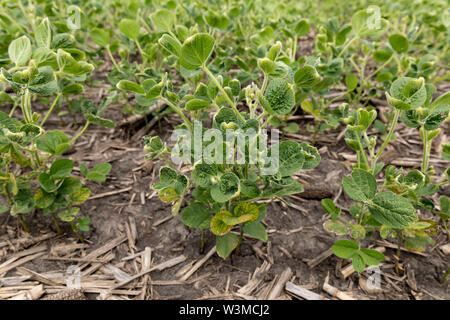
<point>388,138</point>
<point>51,108</point>
<point>75,230</point>
<point>202,245</point>
<point>347,45</point>
<point>81,132</point>
<point>426,151</point>
<point>108,50</point>
<point>58,227</point>
<point>213,78</point>
<point>13,109</point>
<point>24,224</point>
<point>177,110</point>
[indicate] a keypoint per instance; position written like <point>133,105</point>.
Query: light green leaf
<point>130,28</point>
<point>19,51</point>
<point>196,50</point>
<point>163,20</point>
<point>43,34</point>
<point>345,249</point>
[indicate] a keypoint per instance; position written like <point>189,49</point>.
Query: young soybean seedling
<point>233,193</point>
<point>390,209</point>
<point>32,178</point>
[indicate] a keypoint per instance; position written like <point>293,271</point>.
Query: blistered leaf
<point>280,96</point>
<point>392,210</point>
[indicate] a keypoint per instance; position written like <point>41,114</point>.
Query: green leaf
<point>47,182</point>
<point>291,158</point>
<point>256,230</point>
<point>83,224</point>
<point>399,43</point>
<point>100,121</point>
<point>441,101</point>
<point>249,189</point>
<point>361,186</point>
<point>226,188</point>
<point>170,44</point>
<point>197,104</point>
<point>302,28</point>
<point>371,257</point>
<point>330,208</point>
<point>163,20</point>
<point>358,262</point>
<point>196,216</point>
<point>306,76</point>
<point>100,37</point>
<point>226,244</point>
<point>407,93</point>
<point>72,89</point>
<point>43,34</point>
<point>196,50</point>
<point>345,249</point>
<point>392,210</point>
<point>351,81</point>
<point>204,174</point>
<point>19,51</point>
<point>312,156</point>
<point>280,96</point>
<point>70,185</point>
<point>130,28</point>
<point>61,168</point>
<point>130,86</point>
<point>99,172</point>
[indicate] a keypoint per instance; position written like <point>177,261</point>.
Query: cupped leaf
<point>100,37</point>
<point>163,20</point>
<point>130,28</point>
<point>399,43</point>
<point>219,226</point>
<point>226,188</point>
<point>130,86</point>
<point>196,216</point>
<point>19,51</point>
<point>291,158</point>
<point>306,76</point>
<point>280,96</point>
<point>61,168</point>
<point>196,50</point>
<point>361,187</point>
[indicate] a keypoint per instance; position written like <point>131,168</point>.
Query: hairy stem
<point>388,138</point>
<point>231,103</point>
<point>51,108</point>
